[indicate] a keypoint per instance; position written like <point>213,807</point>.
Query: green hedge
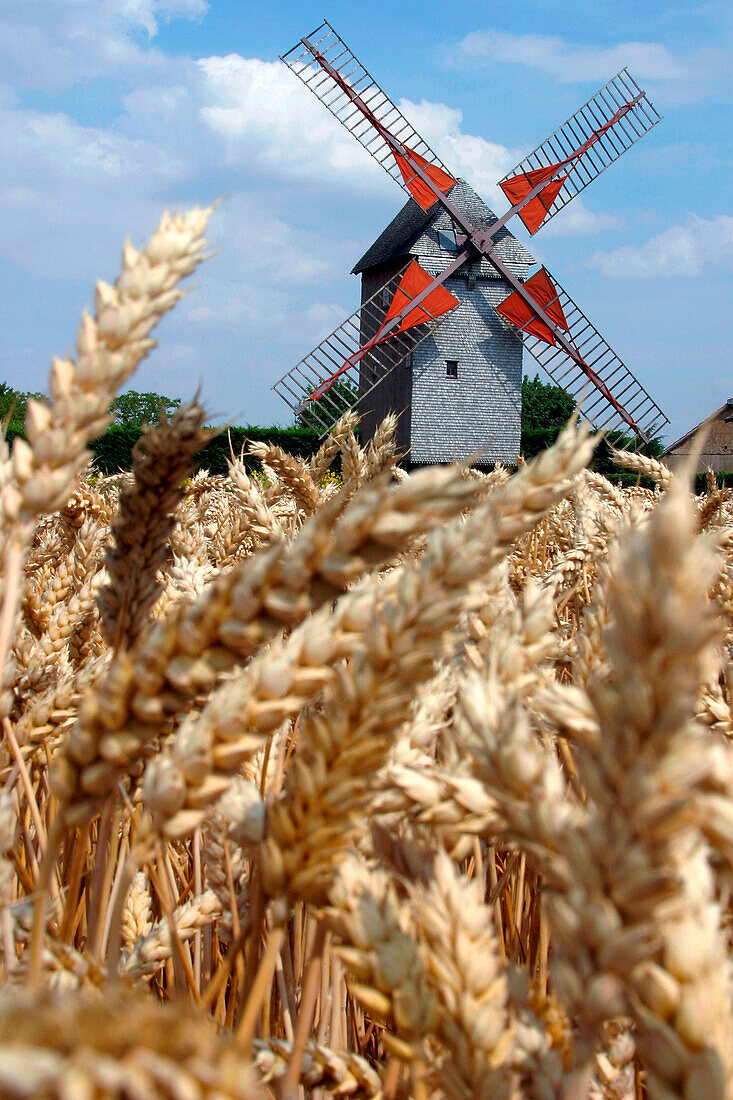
<point>113,451</point>
<point>302,442</point>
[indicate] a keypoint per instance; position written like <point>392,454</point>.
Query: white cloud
<point>146,13</point>
<point>576,220</point>
<point>482,163</point>
<point>262,113</point>
<point>570,62</point>
<point>35,145</point>
<point>690,249</point>
<point>269,265</point>
<point>54,44</point>
<point>156,101</point>
<point>65,189</point>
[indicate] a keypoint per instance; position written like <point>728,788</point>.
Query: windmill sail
<point>365,348</point>
<point>368,346</point>
<point>593,138</point>
<point>329,69</point>
<point>617,400</point>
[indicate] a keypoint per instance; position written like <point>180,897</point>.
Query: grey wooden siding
<point>482,408</point>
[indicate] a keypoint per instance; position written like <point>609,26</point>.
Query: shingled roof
<point>717,451</point>
<point>412,222</point>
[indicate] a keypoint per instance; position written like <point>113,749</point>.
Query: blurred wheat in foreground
<point>377,785</point>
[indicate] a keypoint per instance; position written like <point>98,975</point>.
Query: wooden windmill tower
<point>461,388</point>
<point>448,301</point>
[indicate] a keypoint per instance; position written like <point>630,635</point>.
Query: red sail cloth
<point>415,279</point>
<point>519,312</point>
<point>419,190</point>
<point>517,187</point>
<point>536,210</point>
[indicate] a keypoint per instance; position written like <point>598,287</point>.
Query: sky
<point>112,110</point>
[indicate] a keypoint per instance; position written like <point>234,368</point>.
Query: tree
<point>142,408</point>
<point>14,406</point>
<point>546,409</point>
<point>545,405</point>
<point>343,395</point>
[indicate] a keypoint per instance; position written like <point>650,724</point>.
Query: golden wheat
<point>379,785</point>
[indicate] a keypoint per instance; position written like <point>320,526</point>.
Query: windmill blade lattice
<point>612,120</point>
<point>341,367</point>
<point>627,391</point>
<point>344,86</point>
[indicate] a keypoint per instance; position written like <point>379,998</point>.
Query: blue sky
<point>112,109</point>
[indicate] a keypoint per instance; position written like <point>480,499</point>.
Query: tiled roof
<point>412,223</point>
<point>719,438</point>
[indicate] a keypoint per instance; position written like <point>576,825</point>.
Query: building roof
<point>412,223</point>
<point>721,421</point>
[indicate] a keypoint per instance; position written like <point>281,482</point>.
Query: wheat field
<point>363,785</point>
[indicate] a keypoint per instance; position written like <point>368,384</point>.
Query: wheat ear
<point>210,747</point>
<point>311,823</point>
<point>239,612</point>
<point>382,451</point>
<point>341,1073</point>
<point>292,472</point>
<point>109,347</point>
<point>644,464</point>
<point>468,981</point>
<point>115,1044</point>
<point>262,520</point>
<point>381,953</point>
<point>331,445</point>
<point>161,460</point>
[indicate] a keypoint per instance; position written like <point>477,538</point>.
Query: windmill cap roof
<point>410,223</point>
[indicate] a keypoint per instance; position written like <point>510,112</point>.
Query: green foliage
<point>113,450</point>
<point>603,462</point>
<point>128,408</point>
<point>544,405</point>
<point>215,455</point>
<point>545,410</point>
<point>133,407</point>
<point>13,407</point>
<point>341,397</point>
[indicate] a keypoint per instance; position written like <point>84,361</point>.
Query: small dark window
<point>451,368</point>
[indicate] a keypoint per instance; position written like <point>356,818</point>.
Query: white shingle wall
<point>482,408</point>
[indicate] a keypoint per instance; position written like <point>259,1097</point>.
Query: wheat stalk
<point>439,763</point>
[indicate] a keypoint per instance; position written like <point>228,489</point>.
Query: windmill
<point>376,356</point>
